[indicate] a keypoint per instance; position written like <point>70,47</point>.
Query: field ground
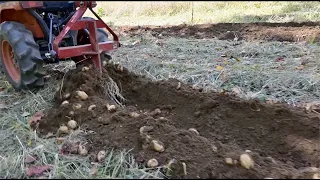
<point>243,91</point>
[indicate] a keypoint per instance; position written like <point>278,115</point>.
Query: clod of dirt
<point>157,146</point>
<point>70,147</point>
<point>193,130</point>
<point>30,159</point>
<point>37,170</point>
<point>91,107</point>
<point>76,106</point>
<point>134,115</point>
<point>82,95</point>
<point>72,124</point>
<point>157,111</point>
<point>82,150</point>
<point>152,163</point>
<point>60,140</point>
<point>35,119</point>
<point>101,156</point>
<point>63,129</point>
<point>94,169</point>
<point>71,113</point>
<point>214,148</point>
<point>246,161</point>
<point>84,69</point>
<point>120,68</point>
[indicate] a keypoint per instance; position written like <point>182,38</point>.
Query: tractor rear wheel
<point>20,56</point>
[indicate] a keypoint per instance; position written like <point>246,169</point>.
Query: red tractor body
<point>60,31</point>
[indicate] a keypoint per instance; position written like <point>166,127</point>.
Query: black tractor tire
<point>24,68</point>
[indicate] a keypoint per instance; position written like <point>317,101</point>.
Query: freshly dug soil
<point>283,142</point>
<point>291,31</point>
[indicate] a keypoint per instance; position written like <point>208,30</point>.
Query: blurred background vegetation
<point>120,13</point>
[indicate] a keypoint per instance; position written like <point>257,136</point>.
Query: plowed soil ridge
<point>283,142</point>
<point>290,32</point>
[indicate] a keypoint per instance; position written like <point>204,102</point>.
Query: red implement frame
<point>95,48</point>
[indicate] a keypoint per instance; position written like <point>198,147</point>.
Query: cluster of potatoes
<point>73,125</point>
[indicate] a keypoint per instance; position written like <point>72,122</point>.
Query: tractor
<point>36,32</point>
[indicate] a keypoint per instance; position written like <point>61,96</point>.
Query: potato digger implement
<point>36,32</point>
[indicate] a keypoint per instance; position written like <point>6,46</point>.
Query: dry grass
<point>256,75</point>
<point>197,12</point>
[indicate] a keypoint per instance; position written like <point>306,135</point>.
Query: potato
<point>84,69</point>
<point>91,107</point>
<point>134,115</point>
<point>157,146</point>
<point>82,150</point>
<point>152,163</point>
<point>144,129</point>
<point>228,161</point>
<point>82,95</point>
<point>193,130</point>
<point>63,129</point>
<point>316,176</point>
<point>72,124</point>
<point>76,106</point>
<point>246,161</point>
<point>101,156</point>
<point>66,96</point>
<point>111,108</point>
<point>64,103</point>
